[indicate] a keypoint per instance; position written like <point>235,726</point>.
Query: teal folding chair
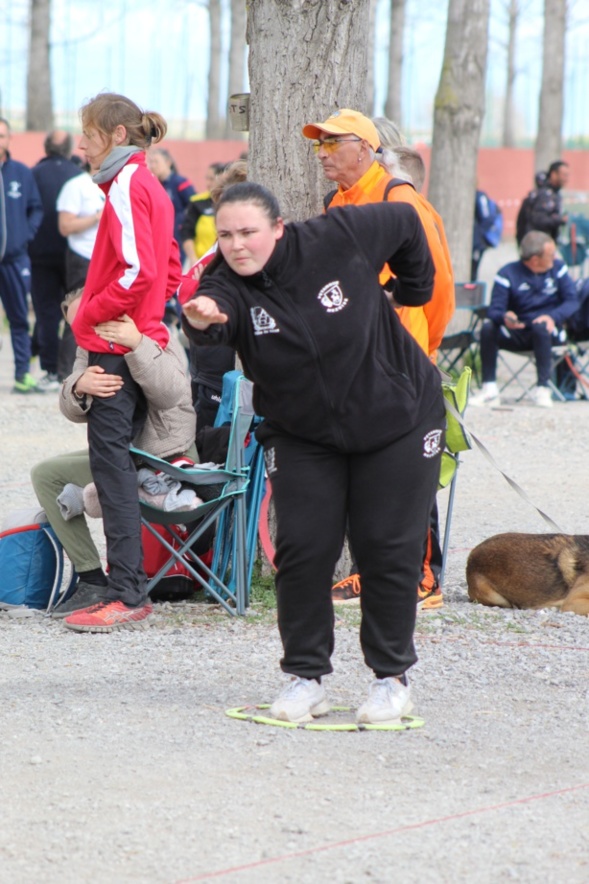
<point>224,488</point>
<point>228,533</point>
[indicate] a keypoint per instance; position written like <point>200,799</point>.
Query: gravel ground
<point>119,764</point>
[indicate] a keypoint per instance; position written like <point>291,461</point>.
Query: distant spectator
<point>209,364</point>
<point>79,209</point>
<point>179,189</point>
<point>531,300</point>
<point>542,208</point>
<point>407,163</point>
<point>487,229</point>
<point>198,232</point>
<point>21,213</point>
<point>47,252</point>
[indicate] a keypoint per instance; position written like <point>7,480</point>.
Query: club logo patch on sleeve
<point>332,297</point>
<point>432,443</point>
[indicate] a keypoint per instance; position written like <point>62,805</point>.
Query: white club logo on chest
<point>332,298</point>
<point>263,323</point>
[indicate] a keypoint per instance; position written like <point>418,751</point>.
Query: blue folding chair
<point>227,580</point>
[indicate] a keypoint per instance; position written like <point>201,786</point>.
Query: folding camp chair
<point>224,551</point>
<point>460,344</point>
<point>457,440</point>
<point>519,368</point>
<point>226,581</point>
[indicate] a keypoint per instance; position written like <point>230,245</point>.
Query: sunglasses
<point>331,144</point>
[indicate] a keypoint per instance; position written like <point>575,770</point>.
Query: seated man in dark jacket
<point>531,300</point>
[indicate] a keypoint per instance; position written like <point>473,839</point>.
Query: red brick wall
<point>506,175</point>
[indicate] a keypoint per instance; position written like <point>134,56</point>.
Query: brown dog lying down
<point>531,571</point>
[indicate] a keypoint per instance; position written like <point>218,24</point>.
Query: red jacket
<point>135,265</point>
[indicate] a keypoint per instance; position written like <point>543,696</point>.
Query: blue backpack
<point>494,231</point>
<point>32,567</point>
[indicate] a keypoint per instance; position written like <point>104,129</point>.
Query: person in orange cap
<point>348,146</point>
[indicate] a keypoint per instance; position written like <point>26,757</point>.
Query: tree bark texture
<point>306,59</point>
<point>393,104</point>
<point>215,125</point>
<point>371,56</point>
<point>549,138</point>
<point>39,116</point>
<point>458,116</point>
<point>237,53</point>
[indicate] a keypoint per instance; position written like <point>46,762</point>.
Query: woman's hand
<point>95,382</point>
<point>202,312</point>
<point>121,331</point>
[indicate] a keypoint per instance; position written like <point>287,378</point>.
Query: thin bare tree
<point>549,137</point>
<point>39,114</point>
<point>215,123</point>
<point>458,116</point>
<point>371,55</point>
<point>393,104</point>
<point>306,59</point>
<point>508,127</point>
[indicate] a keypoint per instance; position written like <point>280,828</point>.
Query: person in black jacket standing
<point>353,421</point>
<point>47,253</point>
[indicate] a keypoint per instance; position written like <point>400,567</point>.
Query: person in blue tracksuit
<point>530,301</point>
<point>21,213</point>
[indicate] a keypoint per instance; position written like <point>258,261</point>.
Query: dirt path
<point>118,763</point>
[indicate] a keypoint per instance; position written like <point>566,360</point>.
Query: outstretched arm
<point>202,312</point>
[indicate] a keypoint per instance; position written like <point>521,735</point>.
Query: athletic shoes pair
<point>303,699</point>
<point>347,591</point>
<point>109,616</point>
<point>26,384</point>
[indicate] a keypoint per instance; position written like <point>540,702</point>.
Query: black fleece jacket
<point>329,359</point>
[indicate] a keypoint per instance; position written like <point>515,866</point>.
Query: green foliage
<point>262,590</point>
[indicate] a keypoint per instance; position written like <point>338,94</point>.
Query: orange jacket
<point>427,324</point>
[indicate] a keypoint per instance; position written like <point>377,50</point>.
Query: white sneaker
<point>543,397</point>
<point>301,700</point>
<point>49,382</point>
<point>485,398</point>
<point>388,700</point>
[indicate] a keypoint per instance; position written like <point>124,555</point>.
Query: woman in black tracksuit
<point>353,421</point>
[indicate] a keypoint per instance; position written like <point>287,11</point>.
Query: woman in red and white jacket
<point>134,268</point>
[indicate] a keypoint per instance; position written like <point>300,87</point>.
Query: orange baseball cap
<point>345,122</point>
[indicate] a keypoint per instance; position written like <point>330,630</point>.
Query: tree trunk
<point>306,58</point>
<point>371,56</point>
<point>39,117</point>
<point>215,126</point>
<point>458,116</point>
<point>508,136</point>
<point>392,108</point>
<point>549,138</point>
<point>237,49</point>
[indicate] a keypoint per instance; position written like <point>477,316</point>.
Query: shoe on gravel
<point>26,384</point>
<point>347,590</point>
<point>301,700</point>
<point>543,397</point>
<point>388,701</point>
<point>85,595</point>
<point>49,383</point>
<point>109,616</point>
<point>429,599</point>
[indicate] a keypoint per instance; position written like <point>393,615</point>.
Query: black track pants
<point>112,424</point>
<point>386,496</point>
